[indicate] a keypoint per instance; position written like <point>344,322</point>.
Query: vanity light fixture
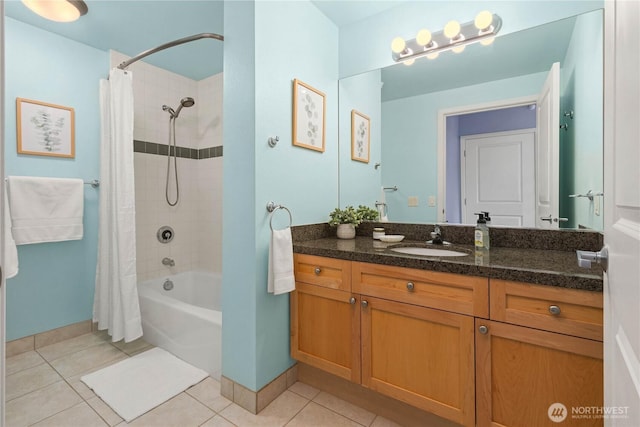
<point>58,10</point>
<point>454,37</point>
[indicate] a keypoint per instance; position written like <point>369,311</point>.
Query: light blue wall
<point>409,132</point>
<point>267,45</point>
<point>360,183</point>
<point>365,45</point>
<point>581,145</point>
<point>56,280</point>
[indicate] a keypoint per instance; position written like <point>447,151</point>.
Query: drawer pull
<point>410,286</point>
<point>364,303</point>
<point>483,330</point>
<point>554,309</point>
<point>352,300</point>
<point>317,270</point>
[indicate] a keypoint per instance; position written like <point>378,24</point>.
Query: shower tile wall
<point>197,219</point>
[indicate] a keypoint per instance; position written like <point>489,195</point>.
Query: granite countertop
<point>546,267</point>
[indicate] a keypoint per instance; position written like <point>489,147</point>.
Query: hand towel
<point>281,279</point>
<point>10,261</point>
<point>45,209</point>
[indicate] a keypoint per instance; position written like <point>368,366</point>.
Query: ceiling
<point>134,26</point>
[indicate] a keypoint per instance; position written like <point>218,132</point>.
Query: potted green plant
<point>349,218</point>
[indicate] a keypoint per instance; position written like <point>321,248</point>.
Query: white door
<point>498,177</point>
<point>622,210</point>
<point>548,149</point>
<point>2,231</point>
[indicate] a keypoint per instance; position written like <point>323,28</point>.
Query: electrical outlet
<point>596,205</point>
<point>413,201</point>
<point>432,201</point>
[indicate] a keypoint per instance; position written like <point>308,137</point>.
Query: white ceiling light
<point>58,10</point>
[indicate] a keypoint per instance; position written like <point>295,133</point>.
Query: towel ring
<point>272,207</point>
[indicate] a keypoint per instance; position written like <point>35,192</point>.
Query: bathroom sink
<point>422,251</point>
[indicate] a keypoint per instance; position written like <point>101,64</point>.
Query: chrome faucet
<point>168,261</point>
<point>436,236</point>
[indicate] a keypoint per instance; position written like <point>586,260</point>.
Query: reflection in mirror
<point>422,114</point>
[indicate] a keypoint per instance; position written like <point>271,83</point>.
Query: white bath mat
<point>142,382</point>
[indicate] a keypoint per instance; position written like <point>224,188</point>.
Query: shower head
<point>187,102</point>
<point>184,102</point>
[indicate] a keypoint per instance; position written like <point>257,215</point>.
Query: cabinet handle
<point>410,286</point>
<point>352,300</point>
<point>317,270</point>
<point>483,329</point>
<point>554,309</point>
<point>364,303</point>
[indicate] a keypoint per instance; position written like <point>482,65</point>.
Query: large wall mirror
<point>496,128</point>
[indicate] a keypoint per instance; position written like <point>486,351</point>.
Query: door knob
<point>483,329</point>
<point>317,270</point>
<point>364,303</point>
<point>586,258</point>
<point>352,300</point>
<point>410,286</point>
<point>546,218</point>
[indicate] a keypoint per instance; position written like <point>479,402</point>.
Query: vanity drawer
<point>445,291</point>
<point>567,311</point>
<point>327,272</point>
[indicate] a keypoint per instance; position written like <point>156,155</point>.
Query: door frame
<point>442,137</point>
<point>2,230</point>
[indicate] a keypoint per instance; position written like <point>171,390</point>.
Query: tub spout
<point>168,261</point>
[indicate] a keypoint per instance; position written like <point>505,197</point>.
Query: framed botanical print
<point>45,129</point>
<point>308,116</point>
<point>360,136</point>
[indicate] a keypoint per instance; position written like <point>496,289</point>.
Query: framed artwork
<point>360,136</point>
<point>45,129</point>
<point>308,116</point>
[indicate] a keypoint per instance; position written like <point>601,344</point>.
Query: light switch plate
<point>596,205</point>
<point>432,201</point>
<point>413,201</point>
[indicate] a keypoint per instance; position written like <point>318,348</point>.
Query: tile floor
<point>44,389</point>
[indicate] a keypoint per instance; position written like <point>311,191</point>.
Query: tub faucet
<point>168,261</point>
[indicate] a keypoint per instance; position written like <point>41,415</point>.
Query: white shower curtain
<point>116,305</point>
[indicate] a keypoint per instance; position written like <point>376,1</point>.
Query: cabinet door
<point>522,372</point>
<point>421,356</point>
<point>325,330</point>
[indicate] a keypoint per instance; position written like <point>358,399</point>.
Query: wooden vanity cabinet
<point>325,316</point>
<point>477,352</point>
<point>525,365</point>
<point>421,356</point>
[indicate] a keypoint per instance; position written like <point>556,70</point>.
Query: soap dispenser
<point>481,233</point>
<point>487,218</point>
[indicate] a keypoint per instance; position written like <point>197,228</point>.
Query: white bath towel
<point>281,279</point>
<point>10,254</point>
<point>45,209</point>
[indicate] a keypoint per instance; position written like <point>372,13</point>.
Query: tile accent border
<point>255,402</point>
<point>185,152</point>
<point>30,343</point>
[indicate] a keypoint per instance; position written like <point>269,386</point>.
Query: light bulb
<point>483,20</point>
<point>458,49</point>
<point>398,44</point>
<point>424,37</point>
<point>452,29</point>
<point>487,41</point>
<point>409,61</point>
<point>433,55</point>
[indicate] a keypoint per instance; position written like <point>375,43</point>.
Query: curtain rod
<point>138,57</point>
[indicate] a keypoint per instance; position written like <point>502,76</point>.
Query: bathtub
<point>186,320</point>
